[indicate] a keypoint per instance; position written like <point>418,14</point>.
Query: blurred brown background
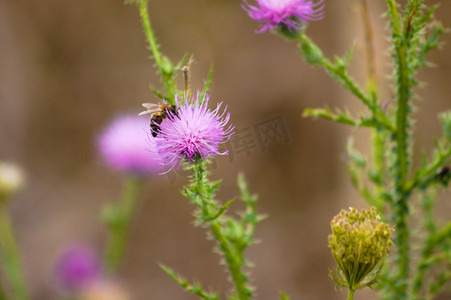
<point>67,67</point>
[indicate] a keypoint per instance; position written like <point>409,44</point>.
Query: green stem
<point>351,294</point>
<point>122,216</point>
<point>347,81</point>
<point>233,262</point>
<point>401,208</point>
<point>3,295</point>
<point>313,55</point>
<point>158,57</point>
<point>12,263</point>
<point>202,195</point>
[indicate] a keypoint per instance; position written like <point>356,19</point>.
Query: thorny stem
<point>340,75</point>
<point>124,212</point>
<point>401,208</point>
<point>347,81</point>
<point>12,263</point>
<point>233,259</point>
<point>233,262</point>
<point>151,39</point>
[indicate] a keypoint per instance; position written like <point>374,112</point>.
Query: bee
<point>158,113</point>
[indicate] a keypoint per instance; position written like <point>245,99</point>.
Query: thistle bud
<point>11,179</point>
<point>166,66</point>
<point>359,243</point>
<point>310,51</point>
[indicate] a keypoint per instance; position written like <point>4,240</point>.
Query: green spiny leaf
<point>354,154</point>
<point>157,93</point>
<point>221,211</point>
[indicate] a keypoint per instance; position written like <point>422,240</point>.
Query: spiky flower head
<point>77,267</point>
<point>195,133</point>
<point>281,14</point>
<point>359,243</point>
<point>124,146</point>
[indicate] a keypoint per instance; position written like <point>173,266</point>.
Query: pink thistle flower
<point>124,146</point>
<point>292,14</point>
<point>195,133</point>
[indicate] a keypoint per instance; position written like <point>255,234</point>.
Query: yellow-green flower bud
<point>11,179</point>
<point>359,243</point>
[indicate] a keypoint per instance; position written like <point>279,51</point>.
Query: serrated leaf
<point>221,211</point>
<point>355,155</point>
<point>157,93</point>
<point>195,288</point>
<point>349,54</point>
<point>326,113</point>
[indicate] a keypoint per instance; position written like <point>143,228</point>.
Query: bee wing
<point>150,108</point>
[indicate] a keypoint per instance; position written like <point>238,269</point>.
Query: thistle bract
<point>195,133</point>
<point>124,146</point>
<point>359,243</point>
<point>280,14</point>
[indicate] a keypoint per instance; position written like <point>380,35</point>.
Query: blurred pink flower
<point>124,146</point>
<point>77,267</point>
<point>293,14</point>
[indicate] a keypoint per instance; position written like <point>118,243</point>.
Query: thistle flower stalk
<point>118,218</point>
<point>12,265</point>
<point>164,66</point>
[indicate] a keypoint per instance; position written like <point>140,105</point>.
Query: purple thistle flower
<point>196,132</point>
<point>124,146</point>
<point>293,14</point>
<point>77,267</point>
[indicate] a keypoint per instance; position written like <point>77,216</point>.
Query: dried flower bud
<point>359,243</point>
<point>11,179</point>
